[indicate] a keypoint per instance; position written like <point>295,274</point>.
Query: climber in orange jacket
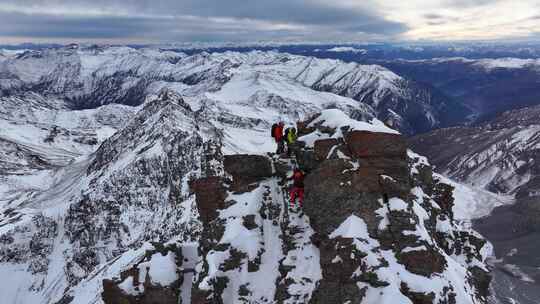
<point>297,190</point>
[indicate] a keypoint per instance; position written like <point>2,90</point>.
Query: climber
<point>277,134</point>
<point>290,139</point>
<point>297,190</point>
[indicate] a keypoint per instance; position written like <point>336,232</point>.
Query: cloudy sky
<point>159,21</point>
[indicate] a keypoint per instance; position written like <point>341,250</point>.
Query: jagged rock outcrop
<point>376,206</point>
<point>246,170</point>
<point>156,278</point>
<point>380,228</point>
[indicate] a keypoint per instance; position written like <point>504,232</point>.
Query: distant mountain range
<point>88,77</point>
<point>488,86</point>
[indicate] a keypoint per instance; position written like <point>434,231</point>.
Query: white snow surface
<point>352,227</point>
<point>342,49</point>
<point>488,63</point>
<point>160,269</point>
<point>336,119</point>
<point>471,202</point>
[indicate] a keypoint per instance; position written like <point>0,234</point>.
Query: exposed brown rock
<point>423,262</point>
<point>322,147</point>
<point>210,196</point>
<point>247,169</point>
<point>302,126</point>
<point>249,222</point>
<point>339,283</point>
<point>364,144</point>
<point>481,279</point>
<point>443,195</point>
<point>417,297</point>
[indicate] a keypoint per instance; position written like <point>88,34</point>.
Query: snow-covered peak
<point>507,63</point>
<point>336,119</point>
<point>342,49</point>
<point>487,64</point>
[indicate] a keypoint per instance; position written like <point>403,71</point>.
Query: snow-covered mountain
<point>176,198</point>
<point>92,76</point>
<point>500,155</point>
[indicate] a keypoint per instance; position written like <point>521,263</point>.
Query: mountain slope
<point>105,205</point>
<point>158,210</point>
<point>499,155</point>
<point>488,86</point>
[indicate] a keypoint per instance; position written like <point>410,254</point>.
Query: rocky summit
<point>377,227</point>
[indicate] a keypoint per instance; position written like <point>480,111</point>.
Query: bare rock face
<point>330,197</point>
<point>322,148</point>
<point>339,281</point>
<point>210,195</point>
<point>340,186</point>
<point>246,169</point>
<point>424,262</point>
<point>365,144</point>
<point>376,182</point>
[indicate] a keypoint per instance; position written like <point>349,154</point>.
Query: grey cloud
<point>43,26</point>
<point>438,19</point>
<point>168,19</point>
<point>433,16</point>
<point>436,22</point>
<point>470,3</point>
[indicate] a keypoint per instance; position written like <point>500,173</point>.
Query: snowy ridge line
<point>88,77</point>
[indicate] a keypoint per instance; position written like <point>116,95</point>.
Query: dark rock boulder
<point>210,194</point>
<point>364,144</point>
<point>322,147</point>
<point>246,169</point>
<point>417,297</point>
<point>330,197</point>
<point>423,262</point>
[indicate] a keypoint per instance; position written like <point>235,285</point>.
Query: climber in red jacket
<point>297,190</point>
<point>277,134</point>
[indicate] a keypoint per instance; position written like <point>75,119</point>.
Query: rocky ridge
<point>164,210</point>
<point>393,237</point>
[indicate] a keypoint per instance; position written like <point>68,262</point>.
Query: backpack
<point>273,132</point>
<point>298,178</point>
<point>291,136</point>
<point>286,135</point>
